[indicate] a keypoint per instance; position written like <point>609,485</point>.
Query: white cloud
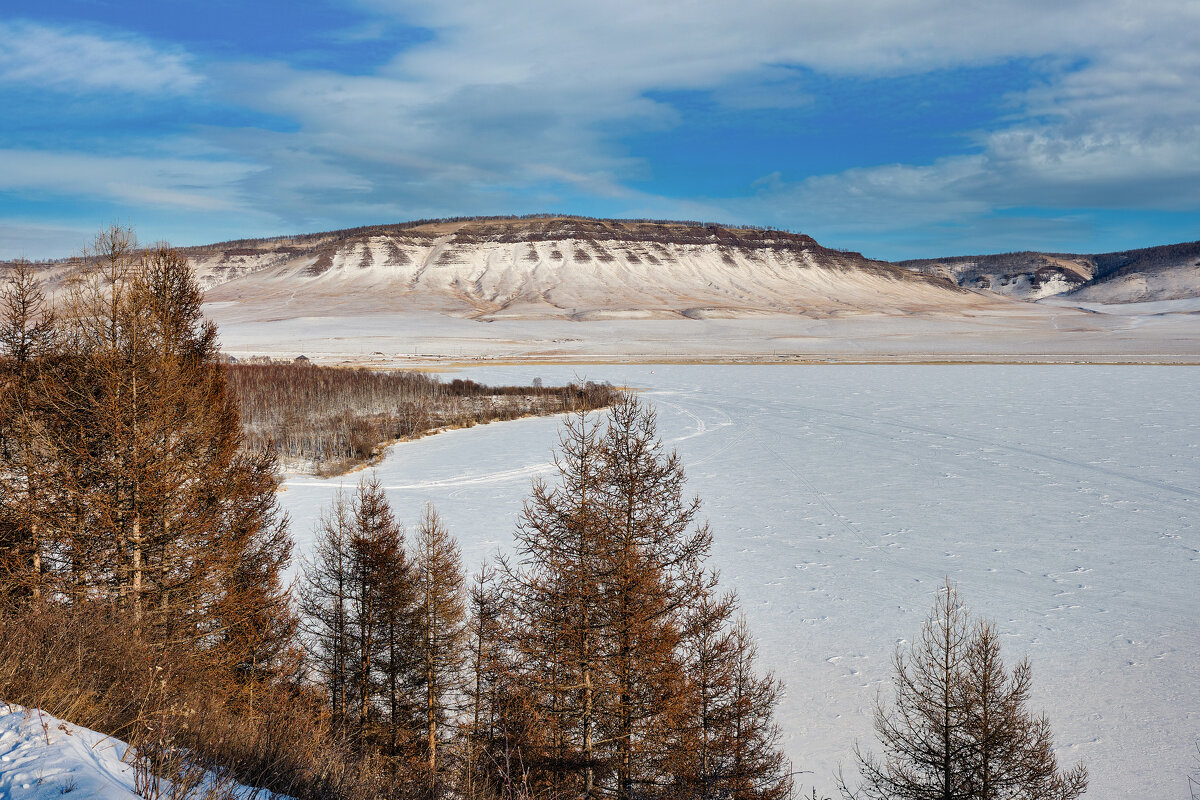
<point>984,202</point>
<point>146,181</point>
<point>693,44</point>
<point>1095,168</point>
<point>876,199</point>
<point>527,101</point>
<point>67,60</point>
<point>514,95</point>
<point>1021,167</point>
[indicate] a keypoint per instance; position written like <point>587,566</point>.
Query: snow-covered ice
<point>1062,499</point>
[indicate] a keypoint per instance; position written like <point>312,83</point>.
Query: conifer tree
<point>398,660</point>
<point>730,747</point>
<point>925,750</point>
<point>376,556</point>
<point>653,574</point>
<point>441,640</point>
<point>142,498</point>
<point>610,567</point>
<point>754,766</point>
<point>708,656</point>
<point>324,599</point>
<point>388,634</point>
<point>484,664</point>
<point>506,737</point>
<point>557,590</point>
<point>1011,752</point>
<point>252,610</point>
<point>29,335</point>
<point>959,728</point>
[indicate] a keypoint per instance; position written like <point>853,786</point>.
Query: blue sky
<point>899,128</point>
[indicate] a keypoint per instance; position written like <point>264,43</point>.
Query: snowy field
<point>1063,500</point>
<point>1021,332</point>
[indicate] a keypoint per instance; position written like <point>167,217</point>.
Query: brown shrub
<point>335,418</point>
<point>179,713</point>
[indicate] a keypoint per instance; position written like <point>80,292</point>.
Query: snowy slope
<point>76,761</point>
<point>1166,272</point>
<point>1143,286</point>
<point>43,757</point>
<point>567,268</point>
<point>578,288</point>
<point>1170,272</point>
<point>1021,276</point>
<point>1064,500</point>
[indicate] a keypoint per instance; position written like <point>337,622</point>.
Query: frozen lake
<point>1063,500</point>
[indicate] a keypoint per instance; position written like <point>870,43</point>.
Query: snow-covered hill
<point>1021,276</point>
<point>567,268</point>
<point>1169,272</point>
<point>520,287</point>
<point>554,267</point>
<point>1155,274</point>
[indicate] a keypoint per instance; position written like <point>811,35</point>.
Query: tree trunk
<point>36,566</point>
<point>589,771</point>
<point>137,568</point>
<point>431,718</point>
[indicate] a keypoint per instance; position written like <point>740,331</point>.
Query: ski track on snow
<point>499,476</point>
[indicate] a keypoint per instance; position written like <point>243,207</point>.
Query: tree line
<point>600,660</point>
<point>141,545</point>
<point>141,554</point>
<point>124,480</point>
<point>331,419</point>
<point>323,237</point>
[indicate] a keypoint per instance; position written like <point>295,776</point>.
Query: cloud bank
<point>531,105</point>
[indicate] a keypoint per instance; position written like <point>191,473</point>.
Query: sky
<point>897,128</point>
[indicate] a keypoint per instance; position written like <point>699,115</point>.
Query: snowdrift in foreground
<point>44,757</point>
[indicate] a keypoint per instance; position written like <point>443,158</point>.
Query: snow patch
<point>45,758</point>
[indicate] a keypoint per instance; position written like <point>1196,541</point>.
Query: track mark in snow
<point>503,476</point>
<point>712,456</point>
<point>817,493</point>
<point>962,437</point>
<point>700,428</point>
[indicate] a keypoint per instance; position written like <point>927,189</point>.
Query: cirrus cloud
<point>67,60</point>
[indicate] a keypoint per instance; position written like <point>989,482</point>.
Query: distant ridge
<point>568,267</point>
<point>1165,272</point>
<point>710,269</point>
<point>499,218</point>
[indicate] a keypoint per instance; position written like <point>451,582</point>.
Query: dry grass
<point>183,719</point>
